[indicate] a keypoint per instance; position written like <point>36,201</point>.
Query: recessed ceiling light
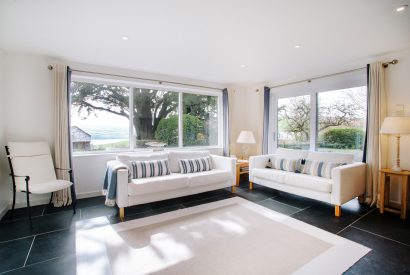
<point>243,66</point>
<point>297,46</point>
<point>125,37</point>
<point>402,8</point>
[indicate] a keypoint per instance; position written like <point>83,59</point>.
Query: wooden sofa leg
<point>233,188</point>
<point>338,211</point>
<point>250,185</point>
<point>361,199</point>
<point>122,213</point>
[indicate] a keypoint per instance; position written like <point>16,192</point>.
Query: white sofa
<point>144,190</point>
<point>347,182</point>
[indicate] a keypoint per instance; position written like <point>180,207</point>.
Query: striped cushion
<point>195,165</point>
<point>284,164</point>
<point>149,168</point>
<point>320,168</point>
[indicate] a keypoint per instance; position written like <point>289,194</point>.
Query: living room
<point>244,85</point>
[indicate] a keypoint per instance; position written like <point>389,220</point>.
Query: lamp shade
<point>396,125</point>
<point>246,137</point>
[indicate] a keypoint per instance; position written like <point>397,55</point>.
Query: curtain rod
<point>50,67</point>
<point>385,65</point>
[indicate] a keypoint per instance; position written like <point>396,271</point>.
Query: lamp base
<point>396,169</point>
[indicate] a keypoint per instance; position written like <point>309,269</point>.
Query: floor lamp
<point>397,126</point>
<point>245,137</point>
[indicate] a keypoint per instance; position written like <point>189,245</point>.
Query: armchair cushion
<point>44,187</point>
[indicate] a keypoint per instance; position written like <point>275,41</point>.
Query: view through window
<point>101,119</point>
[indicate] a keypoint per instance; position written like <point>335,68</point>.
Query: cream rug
<point>232,236</point>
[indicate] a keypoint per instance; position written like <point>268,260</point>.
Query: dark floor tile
<point>98,211</point>
<point>205,195</point>
<point>13,253</point>
<point>88,202</point>
<point>388,224</point>
<point>50,209</point>
<point>149,213</point>
<point>354,207</point>
<point>52,245</point>
<point>61,266</point>
<point>208,200</point>
<point>152,206</point>
<point>294,200</point>
<point>386,257</point>
<point>254,195</point>
<point>21,213</point>
<point>322,215</point>
<point>21,228</point>
<point>279,207</point>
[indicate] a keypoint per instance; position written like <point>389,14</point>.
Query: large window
<point>327,114</point>
<point>101,119</point>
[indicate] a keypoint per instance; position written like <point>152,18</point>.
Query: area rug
<point>232,236</point>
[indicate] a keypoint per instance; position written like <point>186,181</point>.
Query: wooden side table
<point>384,192</point>
<point>242,167</point>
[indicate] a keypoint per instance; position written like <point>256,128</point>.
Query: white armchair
<point>32,171</point>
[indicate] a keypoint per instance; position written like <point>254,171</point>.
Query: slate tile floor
<point>49,248</point>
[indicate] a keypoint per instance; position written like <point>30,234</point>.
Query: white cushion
<point>141,156</point>
<point>331,157</point>
<point>28,148</point>
<point>291,153</point>
<point>157,184</point>
<point>309,182</point>
<point>44,187</point>
<point>207,177</point>
<point>175,156</point>
<point>270,174</point>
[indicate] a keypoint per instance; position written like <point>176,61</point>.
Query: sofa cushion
<point>127,158</point>
<point>208,177</point>
<point>195,165</point>
<point>270,174</point>
<point>331,157</point>
<point>149,168</point>
<point>157,184</point>
<point>291,153</point>
<point>320,168</point>
<point>309,182</point>
<point>175,156</point>
<point>284,164</point>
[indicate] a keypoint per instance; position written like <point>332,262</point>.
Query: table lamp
<point>245,137</point>
<point>396,126</point>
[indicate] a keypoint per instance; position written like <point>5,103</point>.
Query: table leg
<point>403,197</point>
<point>382,182</point>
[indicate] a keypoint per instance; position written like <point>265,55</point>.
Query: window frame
<point>135,84</point>
<point>352,79</point>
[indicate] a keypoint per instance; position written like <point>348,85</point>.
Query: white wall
<point>5,186</point>
<point>28,105</point>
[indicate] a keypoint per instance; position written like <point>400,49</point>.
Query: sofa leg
<point>250,185</point>
<point>122,213</point>
<point>233,188</point>
<point>338,211</point>
<point>361,199</point>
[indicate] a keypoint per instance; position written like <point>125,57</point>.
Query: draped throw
<point>266,103</point>
<point>61,81</point>
<point>376,144</point>
<point>225,108</point>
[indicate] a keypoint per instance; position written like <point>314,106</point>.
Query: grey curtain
<point>225,106</point>
<point>266,103</point>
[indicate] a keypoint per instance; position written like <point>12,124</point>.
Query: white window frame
<point>351,79</point>
<point>85,77</point>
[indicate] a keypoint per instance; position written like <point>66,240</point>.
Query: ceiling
<point>209,40</point>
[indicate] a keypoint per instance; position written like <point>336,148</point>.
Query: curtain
<point>376,147</point>
<point>226,134</point>
<point>266,103</point>
<point>61,132</point>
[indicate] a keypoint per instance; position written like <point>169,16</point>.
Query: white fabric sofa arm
<point>348,182</point>
<point>122,188</point>
<point>225,163</point>
<point>258,162</point>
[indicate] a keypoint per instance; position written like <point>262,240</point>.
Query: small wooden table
<point>242,167</point>
<point>384,192</point>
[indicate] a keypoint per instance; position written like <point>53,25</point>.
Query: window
<point>294,122</point>
<point>101,119</point>
<point>342,120</point>
<point>327,114</point>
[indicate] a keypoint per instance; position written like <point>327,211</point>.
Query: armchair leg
<point>28,208</point>
<point>73,198</point>
<point>338,211</point>
<point>51,198</point>
<point>14,203</point>
<point>122,213</point>
<point>250,185</point>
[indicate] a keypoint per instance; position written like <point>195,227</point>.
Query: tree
<point>296,118</point>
